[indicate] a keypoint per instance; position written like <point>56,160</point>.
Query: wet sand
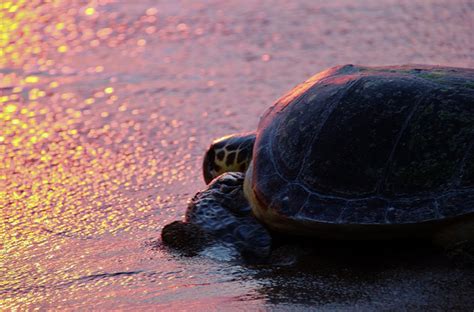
<point>106,108</point>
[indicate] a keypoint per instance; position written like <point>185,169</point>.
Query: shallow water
<point>106,108</point>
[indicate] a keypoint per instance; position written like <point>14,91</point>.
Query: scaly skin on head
<point>231,153</point>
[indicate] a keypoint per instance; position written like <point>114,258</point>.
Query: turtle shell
<point>369,145</point>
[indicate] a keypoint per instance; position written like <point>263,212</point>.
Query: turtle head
<point>231,153</point>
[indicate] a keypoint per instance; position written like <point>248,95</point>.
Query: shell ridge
<point>459,172</point>
<point>388,209</point>
<point>449,205</point>
<point>436,208</point>
<point>328,112</point>
<point>388,163</point>
<point>343,210</point>
<point>303,205</point>
<point>421,195</point>
<point>272,158</point>
<point>295,101</point>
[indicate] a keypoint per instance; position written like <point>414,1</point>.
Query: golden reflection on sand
<point>67,170</point>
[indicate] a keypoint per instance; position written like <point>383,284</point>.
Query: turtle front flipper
<point>231,153</point>
<point>223,216</point>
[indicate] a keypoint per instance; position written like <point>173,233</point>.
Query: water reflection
<point>69,149</point>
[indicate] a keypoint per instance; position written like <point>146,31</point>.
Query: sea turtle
<point>353,153</point>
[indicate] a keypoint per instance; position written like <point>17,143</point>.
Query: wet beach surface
<point>106,108</point>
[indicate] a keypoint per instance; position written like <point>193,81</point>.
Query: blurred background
<point>106,108</point>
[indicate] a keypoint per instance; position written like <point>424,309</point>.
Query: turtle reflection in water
<point>353,153</point>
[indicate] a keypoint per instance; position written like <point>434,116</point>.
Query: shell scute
<point>325,210</point>
<point>365,211</point>
<point>412,210</point>
<point>454,204</point>
<point>432,145</point>
<point>380,145</point>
